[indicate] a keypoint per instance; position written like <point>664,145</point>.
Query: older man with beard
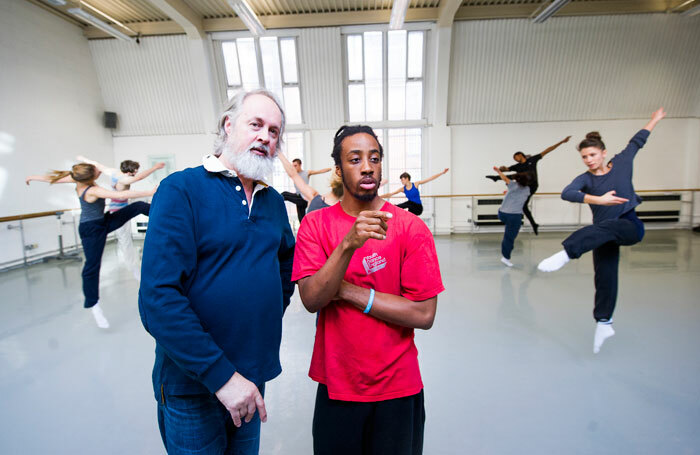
<point>217,264</point>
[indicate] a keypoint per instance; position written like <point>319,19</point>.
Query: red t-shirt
<point>359,357</point>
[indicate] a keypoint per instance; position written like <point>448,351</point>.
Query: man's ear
<point>228,127</point>
<point>338,172</point>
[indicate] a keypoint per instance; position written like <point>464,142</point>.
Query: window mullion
<point>258,59</point>
<point>385,75</point>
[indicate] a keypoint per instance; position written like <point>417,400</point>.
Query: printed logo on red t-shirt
<point>373,263</point>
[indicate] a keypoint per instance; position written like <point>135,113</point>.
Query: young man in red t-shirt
<point>372,272</point>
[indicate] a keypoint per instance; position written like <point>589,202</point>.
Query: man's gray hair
<point>233,110</point>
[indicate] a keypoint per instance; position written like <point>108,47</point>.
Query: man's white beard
<point>248,163</point>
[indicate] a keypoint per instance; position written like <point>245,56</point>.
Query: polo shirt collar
<point>212,164</point>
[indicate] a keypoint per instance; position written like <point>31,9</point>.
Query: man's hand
<point>566,139</point>
<point>160,165</point>
<point>241,397</point>
<point>609,198</point>
<point>370,224</point>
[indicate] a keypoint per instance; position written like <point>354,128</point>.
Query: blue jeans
<point>513,221</point>
<point>200,424</point>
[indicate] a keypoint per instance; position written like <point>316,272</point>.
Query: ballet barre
<point>61,254</point>
<point>473,197</point>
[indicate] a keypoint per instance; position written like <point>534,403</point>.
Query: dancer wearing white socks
<point>511,211</point>
<point>95,224</point>
<point>121,180</point>
<point>608,189</point>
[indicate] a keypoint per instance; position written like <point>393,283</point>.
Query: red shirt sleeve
<point>309,254</point>
<point>420,270</point>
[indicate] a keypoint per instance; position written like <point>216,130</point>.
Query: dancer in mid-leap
<point>410,190</point>
<point>511,211</point>
<point>608,189</point>
<point>528,164</point>
<point>95,224</point>
<point>121,180</point>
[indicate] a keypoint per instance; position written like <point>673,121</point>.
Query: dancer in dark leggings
<point>511,211</point>
<point>608,189</point>
<point>528,164</point>
<point>95,224</point>
<point>316,200</point>
<point>410,190</point>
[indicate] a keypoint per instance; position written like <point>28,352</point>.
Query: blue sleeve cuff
<point>218,374</point>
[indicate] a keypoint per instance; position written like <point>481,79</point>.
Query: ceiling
<point>196,17</point>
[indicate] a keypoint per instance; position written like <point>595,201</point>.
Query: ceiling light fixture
<point>691,12</point>
<point>56,2</point>
<point>546,13</point>
<point>107,17</point>
<point>247,15</point>
<point>398,14</point>
<point>89,18</point>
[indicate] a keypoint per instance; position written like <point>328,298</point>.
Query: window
<point>374,96</point>
<point>269,62</point>
<point>402,153</point>
<point>293,148</point>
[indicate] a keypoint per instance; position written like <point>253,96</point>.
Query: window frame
<point>218,38</point>
<point>426,28</point>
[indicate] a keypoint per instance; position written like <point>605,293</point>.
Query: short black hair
<point>345,131</point>
<point>296,160</point>
<point>127,166</point>
<point>518,153</point>
<point>523,178</point>
<point>405,175</point>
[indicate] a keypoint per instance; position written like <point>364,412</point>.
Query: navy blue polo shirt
<point>215,280</point>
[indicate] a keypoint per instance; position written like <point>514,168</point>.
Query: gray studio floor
<point>508,366</point>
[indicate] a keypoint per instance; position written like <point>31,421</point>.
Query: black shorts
<point>389,427</point>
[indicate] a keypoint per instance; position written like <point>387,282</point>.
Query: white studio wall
<point>574,68</point>
<point>51,111</point>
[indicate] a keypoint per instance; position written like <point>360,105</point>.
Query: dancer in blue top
<point>410,190</point>
<point>608,189</point>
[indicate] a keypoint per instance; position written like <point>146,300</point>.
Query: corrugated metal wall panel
<point>321,73</point>
<point>574,68</point>
<point>150,86</point>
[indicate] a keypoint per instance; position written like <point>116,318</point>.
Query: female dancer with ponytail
<point>95,224</point>
<point>609,191</point>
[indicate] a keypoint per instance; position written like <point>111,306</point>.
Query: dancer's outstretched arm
<point>549,149</point>
<point>47,179</point>
<point>100,167</point>
<point>656,117</point>
<point>431,178</point>
<point>306,190</point>
<point>319,171</point>
<point>128,179</point>
<point>103,193</point>
<point>502,175</point>
<point>388,195</point>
